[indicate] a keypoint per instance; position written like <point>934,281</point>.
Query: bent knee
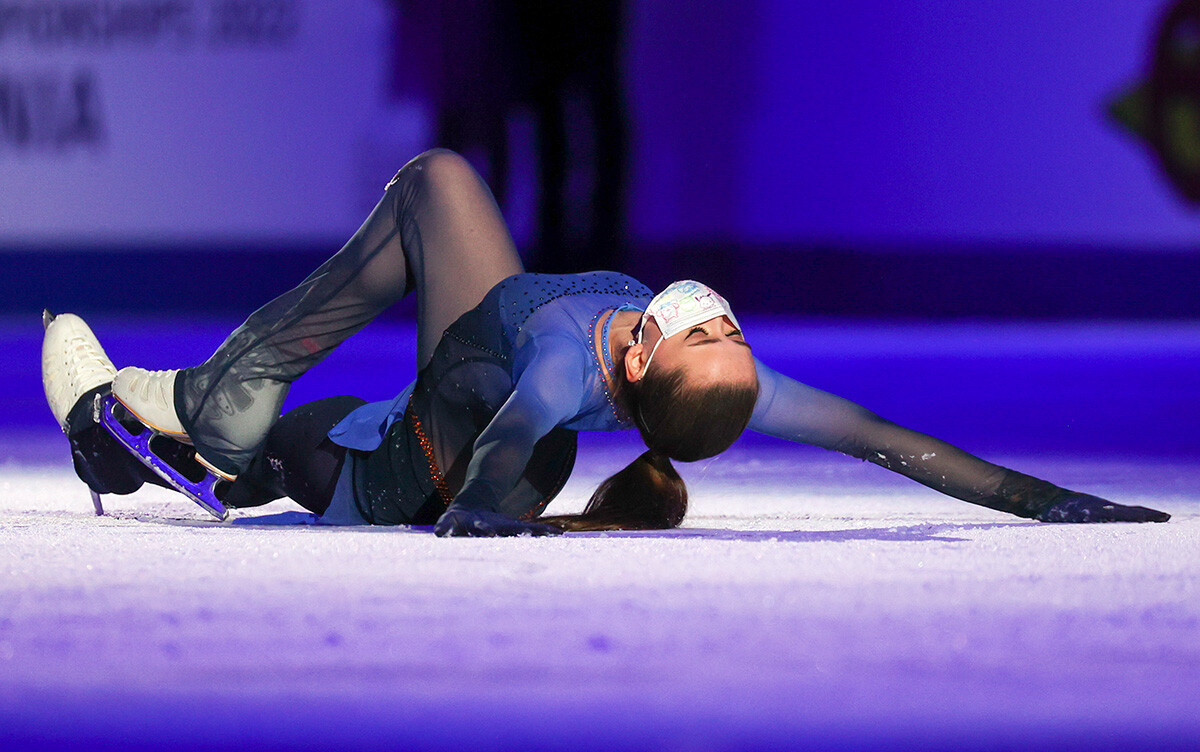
<point>438,167</point>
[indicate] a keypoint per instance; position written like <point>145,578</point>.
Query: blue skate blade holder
<point>202,492</point>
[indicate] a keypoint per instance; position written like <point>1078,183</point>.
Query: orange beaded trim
<point>435,474</point>
<point>594,337</point>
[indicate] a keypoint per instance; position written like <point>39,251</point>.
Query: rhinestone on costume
<point>601,368</point>
<point>435,474</point>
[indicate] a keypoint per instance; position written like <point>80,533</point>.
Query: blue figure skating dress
<point>527,351</point>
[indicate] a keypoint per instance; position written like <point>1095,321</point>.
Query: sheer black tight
<point>437,231</point>
<point>297,460</point>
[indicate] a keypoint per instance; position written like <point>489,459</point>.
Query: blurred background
<point>862,158</point>
<point>977,219</point>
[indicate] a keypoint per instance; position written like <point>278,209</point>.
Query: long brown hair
<point>676,422</point>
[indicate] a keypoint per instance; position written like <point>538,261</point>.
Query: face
<point>711,352</point>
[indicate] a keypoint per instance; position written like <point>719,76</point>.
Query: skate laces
<point>88,361</point>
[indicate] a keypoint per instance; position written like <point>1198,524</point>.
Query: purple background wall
<point>863,157</point>
<point>869,121</point>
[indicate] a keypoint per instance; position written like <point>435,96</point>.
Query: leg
<point>297,460</point>
<point>437,230</point>
<point>459,250</point>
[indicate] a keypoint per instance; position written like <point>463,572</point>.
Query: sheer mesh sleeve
<point>796,412</point>
<point>549,373</point>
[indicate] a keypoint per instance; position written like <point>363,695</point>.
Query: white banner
<point>153,122</point>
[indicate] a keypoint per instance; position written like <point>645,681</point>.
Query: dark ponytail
<point>647,495</point>
<point>676,422</point>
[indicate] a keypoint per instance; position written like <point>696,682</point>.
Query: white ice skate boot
<point>73,363</point>
<point>150,396</point>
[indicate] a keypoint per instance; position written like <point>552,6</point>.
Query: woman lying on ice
<point>511,366</point>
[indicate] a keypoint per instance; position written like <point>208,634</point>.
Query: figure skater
<point>510,367</point>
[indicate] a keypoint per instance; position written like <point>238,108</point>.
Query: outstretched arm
<point>542,398</point>
<point>791,410</point>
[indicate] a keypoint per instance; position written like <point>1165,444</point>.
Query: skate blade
<point>203,492</point>
<point>180,437</point>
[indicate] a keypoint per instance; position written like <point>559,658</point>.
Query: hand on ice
<point>478,523</point>
<point>1079,507</point>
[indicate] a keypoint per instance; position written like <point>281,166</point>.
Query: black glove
<point>478,523</point>
<point>1077,507</point>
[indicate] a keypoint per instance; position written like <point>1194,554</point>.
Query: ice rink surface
<point>809,602</point>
